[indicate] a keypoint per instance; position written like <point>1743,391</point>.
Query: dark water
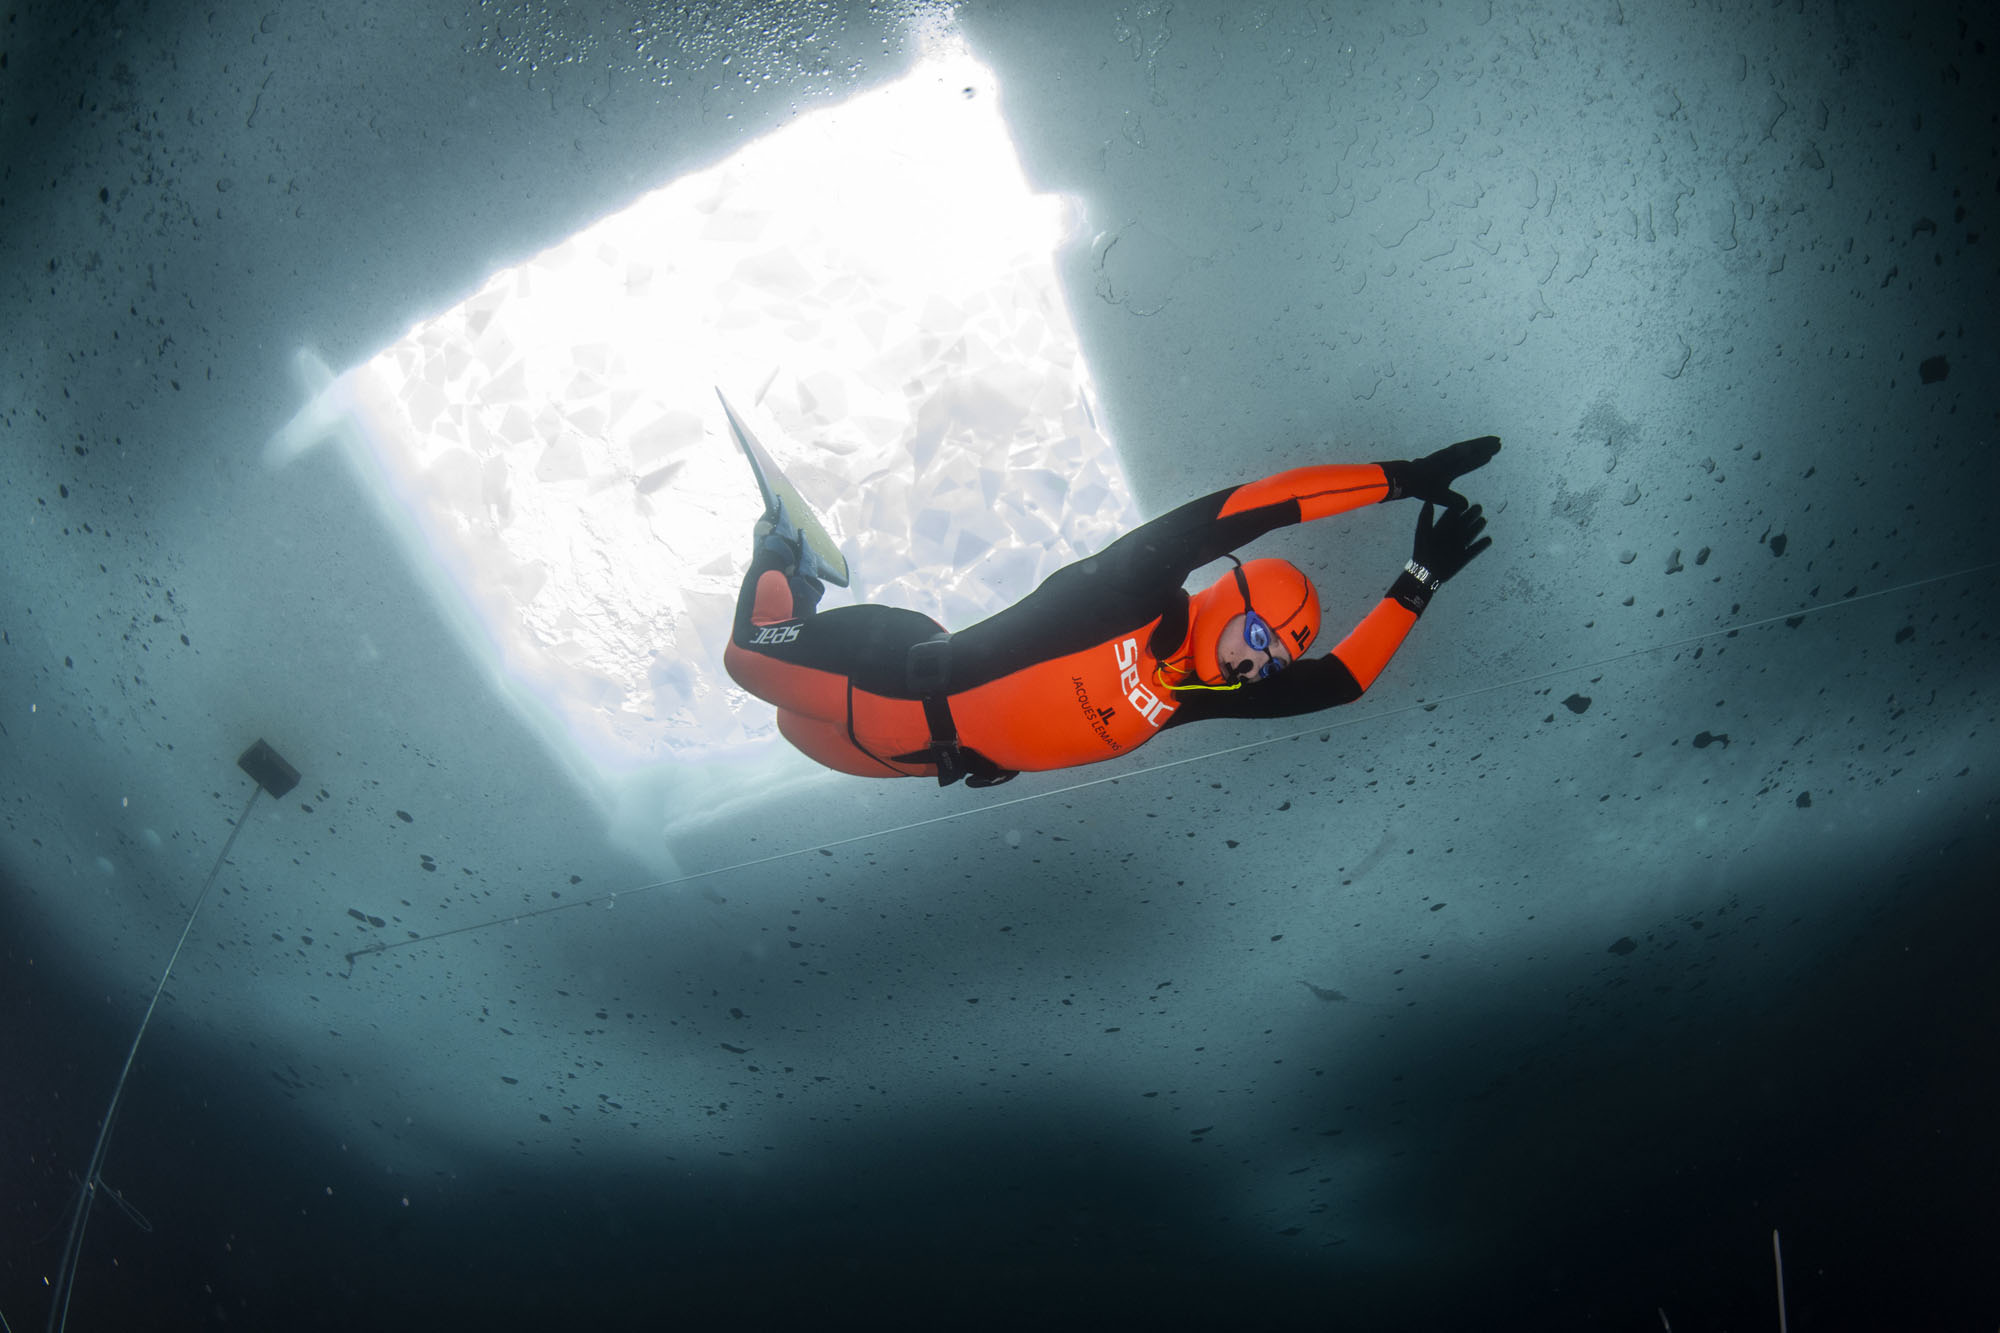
<point>1856,1114</point>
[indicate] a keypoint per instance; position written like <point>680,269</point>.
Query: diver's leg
<point>828,743</point>
<point>774,591</point>
<point>786,651</point>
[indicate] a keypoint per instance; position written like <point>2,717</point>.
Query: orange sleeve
<point>1322,490</point>
<point>1367,650</point>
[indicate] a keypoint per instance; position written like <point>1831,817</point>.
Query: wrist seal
<point>1414,586</point>
<point>1397,475</point>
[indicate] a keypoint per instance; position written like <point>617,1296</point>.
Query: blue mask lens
<point>1260,637</point>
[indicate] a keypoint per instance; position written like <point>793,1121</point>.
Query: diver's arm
<point>1182,540</point>
<point>1307,493</point>
<point>1307,686</point>
<point>1441,550</point>
<point>1314,683</point>
<point>1138,576</point>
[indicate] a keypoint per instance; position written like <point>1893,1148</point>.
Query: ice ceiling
<point>1623,922</point>
<point>877,277</point>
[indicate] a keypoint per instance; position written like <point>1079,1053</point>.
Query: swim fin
<point>785,508</point>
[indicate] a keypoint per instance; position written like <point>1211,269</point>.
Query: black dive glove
<point>1441,551</point>
<point>1430,478</point>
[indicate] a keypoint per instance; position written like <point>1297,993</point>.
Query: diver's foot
<point>787,515</point>
<point>777,533</point>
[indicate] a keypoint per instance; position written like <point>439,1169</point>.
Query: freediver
<point>1106,653</point>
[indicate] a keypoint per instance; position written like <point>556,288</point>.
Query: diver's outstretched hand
<point>1429,478</point>
<point>1452,543</point>
<point>1444,546</point>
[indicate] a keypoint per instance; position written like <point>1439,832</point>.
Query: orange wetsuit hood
<point>1278,590</point>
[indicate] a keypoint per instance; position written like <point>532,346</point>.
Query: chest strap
<point>927,674</point>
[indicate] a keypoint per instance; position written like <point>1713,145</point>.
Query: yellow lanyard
<point>1160,677</point>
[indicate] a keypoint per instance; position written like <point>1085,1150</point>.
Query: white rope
<point>93,1177</point>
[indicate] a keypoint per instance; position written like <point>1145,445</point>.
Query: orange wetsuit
<point>1081,669</point>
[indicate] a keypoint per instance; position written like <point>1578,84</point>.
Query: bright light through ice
<point>875,284</point>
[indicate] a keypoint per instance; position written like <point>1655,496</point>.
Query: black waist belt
<point>927,673</point>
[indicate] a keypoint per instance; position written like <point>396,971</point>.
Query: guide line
<point>1379,715</point>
